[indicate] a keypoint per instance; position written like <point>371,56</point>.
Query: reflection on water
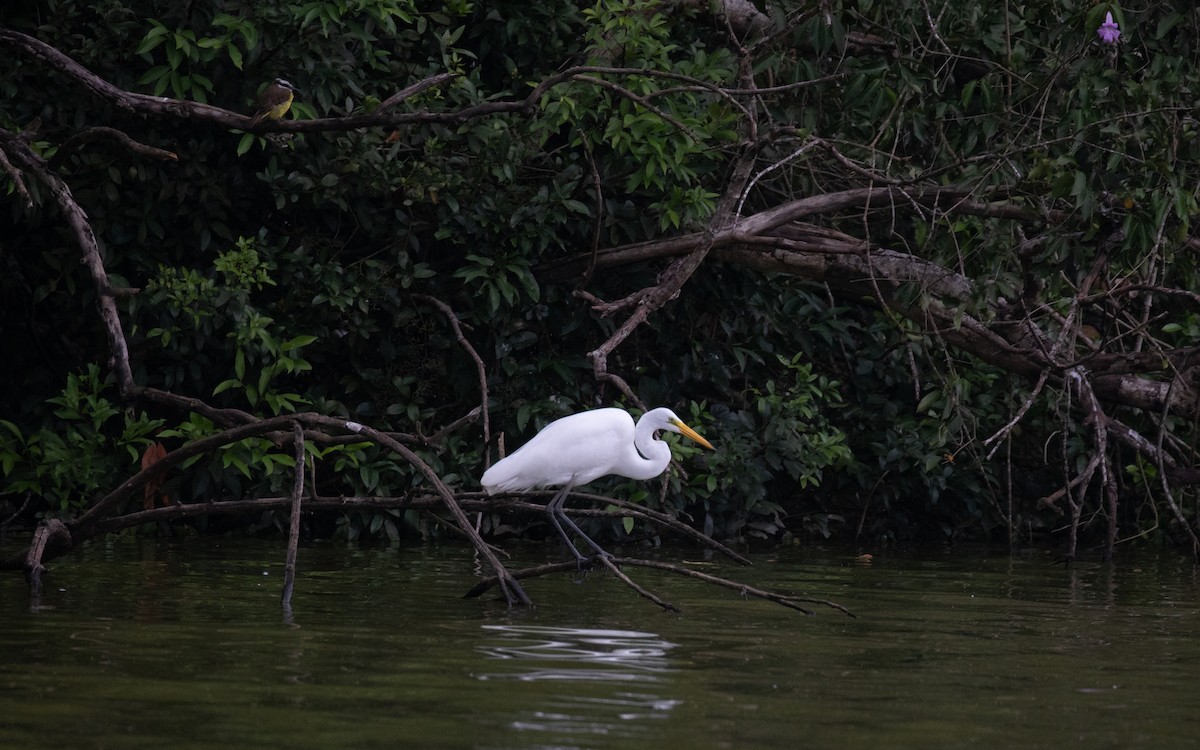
<point>575,655</point>
<point>142,645</point>
<point>584,658</point>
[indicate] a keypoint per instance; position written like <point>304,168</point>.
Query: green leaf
<point>928,401</point>
<point>226,385</point>
<point>1080,183</point>
<point>154,37</point>
<point>297,342</point>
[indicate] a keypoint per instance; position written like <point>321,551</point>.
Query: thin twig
<point>480,370</point>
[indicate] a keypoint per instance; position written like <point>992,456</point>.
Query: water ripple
<point>579,654</point>
<point>580,682</point>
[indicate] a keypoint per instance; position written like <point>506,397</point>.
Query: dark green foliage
<point>287,272</point>
<point>93,447</point>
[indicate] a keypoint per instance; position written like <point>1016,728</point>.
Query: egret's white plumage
<point>583,447</point>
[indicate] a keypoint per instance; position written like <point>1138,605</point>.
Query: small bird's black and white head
<point>286,84</point>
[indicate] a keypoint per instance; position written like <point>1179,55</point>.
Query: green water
<point>138,644</point>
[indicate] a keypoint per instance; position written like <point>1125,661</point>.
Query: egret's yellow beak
<point>690,433</point>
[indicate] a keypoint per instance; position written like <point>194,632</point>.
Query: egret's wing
<point>575,449</point>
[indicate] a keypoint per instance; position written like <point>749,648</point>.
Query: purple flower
<point>1108,31</point>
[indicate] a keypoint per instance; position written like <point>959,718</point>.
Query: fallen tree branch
<point>86,525</point>
<point>785,600</point>
<point>63,539</point>
<point>472,501</point>
<point>513,593</point>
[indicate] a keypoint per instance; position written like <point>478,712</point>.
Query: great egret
<point>580,448</point>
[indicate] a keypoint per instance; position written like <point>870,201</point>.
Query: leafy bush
<point>88,447</point>
<point>294,271</point>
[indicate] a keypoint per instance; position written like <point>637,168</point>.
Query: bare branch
<point>382,116</point>
<point>410,91</point>
<point>24,158</point>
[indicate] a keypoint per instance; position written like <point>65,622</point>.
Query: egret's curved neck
<point>655,454</point>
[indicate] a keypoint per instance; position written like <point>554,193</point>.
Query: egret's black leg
<point>559,516</point>
<point>554,510</point>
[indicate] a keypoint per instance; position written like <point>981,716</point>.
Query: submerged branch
<point>289,567</point>
<point>786,600</point>
<point>607,562</point>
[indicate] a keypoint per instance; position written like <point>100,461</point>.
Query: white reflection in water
<point>543,654</point>
<point>575,654</point>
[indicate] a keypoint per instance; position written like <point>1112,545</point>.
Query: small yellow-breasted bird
<point>274,101</point>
